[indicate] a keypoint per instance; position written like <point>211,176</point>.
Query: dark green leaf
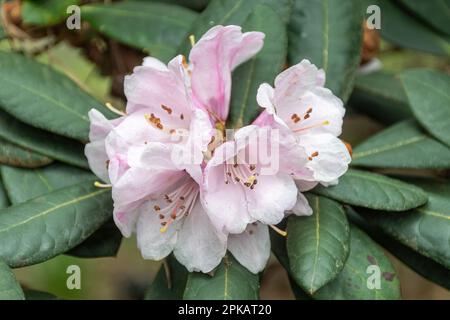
<point>316,32</point>
<point>42,97</point>
<point>45,12</point>
<point>353,282</point>
<point>9,288</point>
<point>157,28</point>
<point>262,68</point>
<point>24,184</point>
<point>191,4</point>
<point>38,295</point>
<point>41,228</point>
<point>105,242</point>
<point>404,145</point>
<point>424,266</point>
<point>374,191</point>
<point>429,98</point>
<point>230,281</point>
<point>55,147</point>
<point>425,229</point>
<point>162,289</point>
<point>436,13</point>
<point>13,155</point>
<point>227,12</point>
<point>317,246</point>
<point>4,201</point>
<point>402,29</point>
<point>381,96</point>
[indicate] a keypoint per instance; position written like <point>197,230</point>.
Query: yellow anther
<point>192,39</point>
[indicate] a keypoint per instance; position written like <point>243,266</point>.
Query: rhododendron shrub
<point>228,140</point>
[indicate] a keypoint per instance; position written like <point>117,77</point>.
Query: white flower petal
<point>252,247</point>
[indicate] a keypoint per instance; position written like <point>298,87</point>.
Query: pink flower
<point>170,111</point>
<point>302,108</point>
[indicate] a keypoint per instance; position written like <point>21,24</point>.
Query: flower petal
<point>154,244</point>
<point>271,197</point>
<point>225,204</point>
<point>302,207</point>
<point>332,157</point>
<point>98,159</point>
<point>252,247</point>
<point>213,58</point>
<point>199,246</point>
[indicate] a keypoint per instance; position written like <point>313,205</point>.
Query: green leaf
<point>317,245</point>
<point>4,201</point>
<point>424,266</point>
<point>405,31</point>
<point>227,12</point>
<point>45,12</point>
<point>191,4</point>
<point>157,28</point>
<point>162,289</point>
<point>55,147</point>
<point>403,145</point>
<point>317,31</point>
<point>9,288</point>
<point>105,242</point>
<point>429,98</point>
<point>352,282</point>
<point>13,155</point>
<point>436,13</point>
<point>425,229</point>
<point>41,228</point>
<point>381,96</point>
<point>230,281</point>
<point>264,67</point>
<point>374,191</point>
<point>42,97</point>
<point>24,184</point>
<point>38,295</point>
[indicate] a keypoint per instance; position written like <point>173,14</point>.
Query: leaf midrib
<point>53,209</point>
<point>388,147</point>
<point>48,98</point>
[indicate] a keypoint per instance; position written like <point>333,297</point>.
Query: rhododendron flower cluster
<point>185,185</point>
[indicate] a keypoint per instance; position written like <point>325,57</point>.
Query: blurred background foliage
<point>98,63</point>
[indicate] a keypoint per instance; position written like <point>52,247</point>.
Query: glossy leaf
<point>374,191</point>
<point>227,12</point>
<point>406,31</point>
<point>9,288</point>
<point>105,242</point>
<point>157,28</point>
<point>317,246</point>
<point>436,13</point>
<point>264,67</point>
<point>381,96</point>
<point>42,97</point>
<point>353,283</point>
<point>55,147</point>
<point>163,288</point>
<point>230,281</point>
<point>316,32</point>
<point>41,228</point>
<point>45,12</point>
<point>23,184</point>
<point>429,98</point>
<point>13,155</point>
<point>403,145</point>
<point>425,229</point>
<point>4,201</point>
<point>424,266</point>
<point>38,295</point>
<point>191,4</point>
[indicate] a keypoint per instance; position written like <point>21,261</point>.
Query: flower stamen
<point>278,230</point>
<point>115,110</point>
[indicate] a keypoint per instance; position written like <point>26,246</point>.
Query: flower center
<point>177,204</point>
<point>243,174</point>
